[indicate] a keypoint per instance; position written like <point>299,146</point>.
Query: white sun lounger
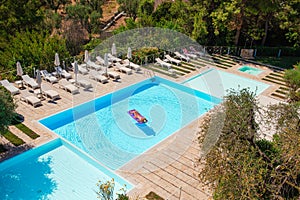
<point>66,85</point>
<point>163,63</point>
<point>100,61</point>
<point>49,93</point>
<point>84,83</point>
<point>63,73</point>
<point>131,65</point>
<point>93,65</point>
<point>12,89</point>
<point>111,74</point>
<point>113,58</point>
<point>30,99</point>
<point>181,56</point>
<point>30,82</point>
<point>48,77</point>
<point>121,68</point>
<point>98,77</point>
<point>190,55</point>
<point>172,60</point>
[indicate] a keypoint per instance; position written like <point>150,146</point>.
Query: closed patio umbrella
<point>106,62</point>
<point>86,56</point>
<point>129,54</point>
<point>75,70</point>
<point>114,49</point>
<point>39,80</point>
<point>19,69</point>
<point>56,60</point>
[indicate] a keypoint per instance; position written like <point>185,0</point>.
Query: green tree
<point>18,16</point>
<point>238,163</point>
<point>230,15</point>
<point>289,16</point>
<point>87,13</point>
<point>292,78</point>
<point>55,4</point>
<point>7,109</point>
<point>131,7</point>
<point>32,49</point>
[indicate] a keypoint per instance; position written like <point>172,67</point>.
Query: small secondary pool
<point>104,129</point>
<point>250,70</point>
<point>55,170</point>
<point>217,83</point>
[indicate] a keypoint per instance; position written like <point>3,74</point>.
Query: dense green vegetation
<point>238,162</point>
<point>7,109</point>
<point>32,31</point>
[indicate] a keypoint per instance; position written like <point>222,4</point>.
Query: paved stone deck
<point>168,169</point>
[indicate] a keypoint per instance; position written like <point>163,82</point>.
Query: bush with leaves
<point>292,78</point>
<point>106,191</point>
<point>243,165</point>
<point>7,109</point>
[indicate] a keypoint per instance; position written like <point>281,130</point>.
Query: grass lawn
<point>27,131</point>
<point>15,140</point>
<point>283,62</point>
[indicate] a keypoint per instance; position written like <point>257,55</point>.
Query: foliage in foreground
<point>242,165</point>
<point>292,78</point>
<point>106,191</point>
<point>7,109</point>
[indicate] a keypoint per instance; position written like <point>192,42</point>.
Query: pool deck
<point>168,169</point>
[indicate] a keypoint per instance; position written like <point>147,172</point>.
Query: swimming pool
<point>55,170</point>
<point>217,83</point>
<point>250,70</point>
<point>104,129</point>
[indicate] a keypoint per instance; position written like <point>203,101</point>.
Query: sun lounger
<point>100,61</point>
<point>111,74</point>
<point>163,63</point>
<point>181,56</point>
<point>66,85</point>
<point>48,77</point>
<point>98,77</point>
<point>84,83</point>
<point>81,68</point>
<point>93,65</point>
<point>49,93</point>
<point>190,55</point>
<point>63,73</point>
<point>172,60</point>
<point>113,58</point>
<point>9,86</point>
<point>194,51</point>
<point>131,65</point>
<point>121,68</point>
<point>30,99</point>
<point>30,82</point>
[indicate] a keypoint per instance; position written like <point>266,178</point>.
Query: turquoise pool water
<point>217,83</point>
<point>250,70</point>
<point>55,170</point>
<point>104,129</point>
